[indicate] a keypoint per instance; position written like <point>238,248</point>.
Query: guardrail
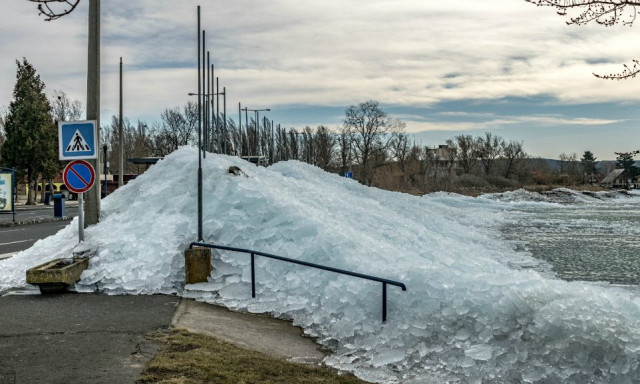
<point>253,254</point>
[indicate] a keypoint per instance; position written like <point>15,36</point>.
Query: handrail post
<point>253,276</point>
<point>384,302</point>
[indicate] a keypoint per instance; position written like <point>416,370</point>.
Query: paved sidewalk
<point>278,338</point>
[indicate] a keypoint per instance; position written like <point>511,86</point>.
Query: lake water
<point>582,237</point>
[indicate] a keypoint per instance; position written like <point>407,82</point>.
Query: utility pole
<point>92,203</point>
<point>120,138</point>
<point>200,238</point>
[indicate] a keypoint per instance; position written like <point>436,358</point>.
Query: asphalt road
<point>21,237</point>
<point>36,213</point>
<point>79,338</point>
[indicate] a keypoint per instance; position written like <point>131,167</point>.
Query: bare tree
<point>467,152</point>
<point>324,146</point>
<point>64,109</point>
<point>60,8</point>
<point>372,132</point>
<point>513,155</point>
<point>603,12</point>
<point>489,148</point>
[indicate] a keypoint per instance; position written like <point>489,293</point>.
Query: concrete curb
<point>35,221</point>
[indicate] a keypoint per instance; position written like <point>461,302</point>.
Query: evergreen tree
<point>31,136</point>
<point>589,163</point>
<point>625,161</point>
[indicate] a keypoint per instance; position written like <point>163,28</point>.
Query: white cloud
<point>400,52</point>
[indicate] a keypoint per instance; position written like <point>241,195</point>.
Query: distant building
<point>442,161</point>
<point>619,178</point>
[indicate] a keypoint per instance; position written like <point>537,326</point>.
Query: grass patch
<point>190,358</point>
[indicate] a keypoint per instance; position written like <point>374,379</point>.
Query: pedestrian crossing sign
<point>77,140</point>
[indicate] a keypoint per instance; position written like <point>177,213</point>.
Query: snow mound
<point>467,315</point>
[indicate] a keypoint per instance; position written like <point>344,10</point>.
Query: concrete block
<point>58,274</point>
<point>197,265</point>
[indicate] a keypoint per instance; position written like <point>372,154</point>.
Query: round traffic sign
<point>79,176</point>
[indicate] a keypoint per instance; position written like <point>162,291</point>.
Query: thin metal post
<point>214,144</point>
<point>104,159</point>
<point>273,144</point>
<point>204,85</point>
<point>246,120</point>
<point>224,114</point>
<point>81,217</point>
<point>253,276</point>
<point>212,123</point>
<point>218,133</point>
<point>120,137</point>
<point>384,302</point>
<point>206,105</point>
<point>200,238</point>
<point>257,138</point>
<point>239,153</point>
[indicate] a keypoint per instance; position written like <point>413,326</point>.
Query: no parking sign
<point>79,176</point>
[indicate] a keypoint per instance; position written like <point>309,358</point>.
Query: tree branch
<point>603,12</point>
<point>44,6</point>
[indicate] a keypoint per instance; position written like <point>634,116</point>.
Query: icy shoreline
<point>467,315</point>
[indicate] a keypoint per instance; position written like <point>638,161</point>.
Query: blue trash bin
<point>58,205</point>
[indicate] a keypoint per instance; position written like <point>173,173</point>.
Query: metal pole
<point>200,238</point>
<point>257,138</point>
<point>121,138</point>
<point>104,160</point>
<point>240,128</point>
<point>206,106</point>
<point>273,144</point>
<point>246,120</point>
<point>224,113</point>
<point>93,104</point>
<point>218,113</point>
<point>204,86</point>
<point>213,110</point>
<point>81,217</point>
<point>211,119</point>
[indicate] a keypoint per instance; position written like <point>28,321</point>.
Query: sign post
<point>78,140</point>
<point>79,176</point>
<point>7,191</point>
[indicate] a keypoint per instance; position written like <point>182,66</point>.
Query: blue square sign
<point>77,140</point>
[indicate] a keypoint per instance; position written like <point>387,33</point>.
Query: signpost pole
<point>81,217</point>
<point>14,192</point>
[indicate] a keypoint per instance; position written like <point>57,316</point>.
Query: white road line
<point>17,242</point>
<point>7,255</point>
<point>11,230</point>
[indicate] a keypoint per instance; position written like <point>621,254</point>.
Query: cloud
<point>325,53</point>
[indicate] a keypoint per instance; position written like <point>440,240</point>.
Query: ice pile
<point>467,315</point>
<point>559,196</point>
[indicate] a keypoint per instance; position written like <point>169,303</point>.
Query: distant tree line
<point>369,144</point>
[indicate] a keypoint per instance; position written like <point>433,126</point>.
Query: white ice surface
<point>468,314</point>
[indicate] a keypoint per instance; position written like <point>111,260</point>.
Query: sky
<point>444,68</point>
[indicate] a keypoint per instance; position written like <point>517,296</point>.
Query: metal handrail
<point>306,264</point>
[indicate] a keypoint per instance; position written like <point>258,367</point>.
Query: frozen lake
<point>584,240</point>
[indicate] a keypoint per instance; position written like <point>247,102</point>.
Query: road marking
<point>7,255</point>
<point>11,230</point>
<point>17,242</point>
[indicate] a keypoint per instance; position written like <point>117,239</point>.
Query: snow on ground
<point>467,316</point>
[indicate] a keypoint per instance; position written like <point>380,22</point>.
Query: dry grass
<point>195,359</point>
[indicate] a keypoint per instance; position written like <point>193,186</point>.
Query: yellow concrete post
<point>197,265</point>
